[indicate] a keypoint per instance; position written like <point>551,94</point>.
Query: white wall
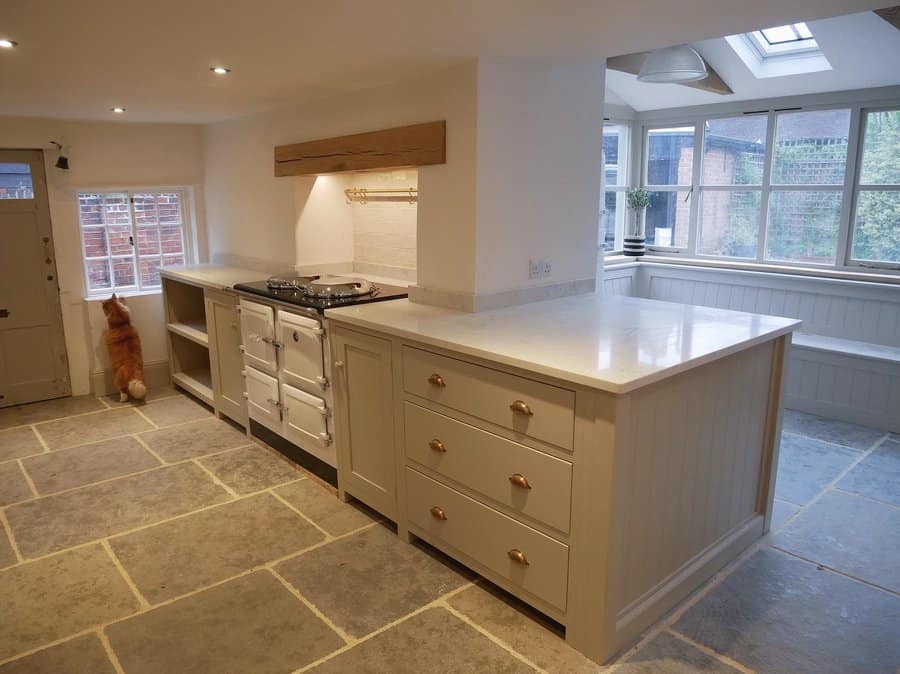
<point>106,155</point>
<point>540,136</point>
<point>384,228</point>
<point>253,214</point>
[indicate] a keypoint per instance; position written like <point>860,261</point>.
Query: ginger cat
<point>124,345</point>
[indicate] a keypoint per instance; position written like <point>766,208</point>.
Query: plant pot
<point>634,234</point>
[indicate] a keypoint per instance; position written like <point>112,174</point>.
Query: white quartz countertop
<point>214,276</point>
<point>615,344</point>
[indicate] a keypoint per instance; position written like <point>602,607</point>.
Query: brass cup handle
<point>521,407</point>
<point>438,513</point>
<point>437,445</point>
<point>520,480</point>
<point>518,556</point>
<point>437,380</point>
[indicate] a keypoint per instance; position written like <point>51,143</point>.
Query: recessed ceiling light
<point>117,109</point>
<point>220,70</point>
<point>8,44</point>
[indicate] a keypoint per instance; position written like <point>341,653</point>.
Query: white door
<point>301,341</point>
<point>33,363</point>
<point>258,335</point>
<point>263,404</point>
<point>306,423</point>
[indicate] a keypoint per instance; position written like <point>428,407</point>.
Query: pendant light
<point>673,64</point>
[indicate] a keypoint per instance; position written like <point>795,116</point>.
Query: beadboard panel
<point>844,387</point>
<point>689,469</point>
<point>619,282</point>
<point>866,312</point>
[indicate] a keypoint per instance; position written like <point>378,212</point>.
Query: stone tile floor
<point>157,539</point>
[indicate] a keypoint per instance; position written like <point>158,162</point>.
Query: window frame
<point>858,102</point>
<point>625,154</point>
<point>858,187</point>
<point>129,192</point>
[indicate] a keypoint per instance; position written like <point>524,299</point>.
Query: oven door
<point>258,336</point>
<point>302,352</point>
<point>263,404</point>
<point>306,422</point>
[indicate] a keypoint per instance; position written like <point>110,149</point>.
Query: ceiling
<point>862,48</point>
<point>78,59</point>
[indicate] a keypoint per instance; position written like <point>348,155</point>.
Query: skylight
<point>793,38</point>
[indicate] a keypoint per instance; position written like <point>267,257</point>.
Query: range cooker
<point>287,364</point>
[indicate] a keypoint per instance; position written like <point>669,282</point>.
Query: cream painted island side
<point>597,457</point>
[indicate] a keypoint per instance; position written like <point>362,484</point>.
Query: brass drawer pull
<point>520,407</point>
<point>438,513</point>
<point>438,446</point>
<point>437,380</point>
<point>520,480</point>
<point>518,556</point>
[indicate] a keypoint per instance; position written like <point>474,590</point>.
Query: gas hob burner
<point>337,286</point>
<point>289,281</point>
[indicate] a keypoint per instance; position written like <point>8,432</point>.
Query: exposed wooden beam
<point>891,15</point>
<point>631,64</point>
<point>416,145</point>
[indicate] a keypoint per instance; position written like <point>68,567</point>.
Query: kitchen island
<point>597,457</point>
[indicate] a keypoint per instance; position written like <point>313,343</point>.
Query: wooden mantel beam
<point>400,147</point>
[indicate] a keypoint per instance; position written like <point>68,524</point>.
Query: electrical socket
<point>535,267</point>
<point>546,267</point>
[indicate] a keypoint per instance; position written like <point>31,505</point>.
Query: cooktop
<point>380,293</point>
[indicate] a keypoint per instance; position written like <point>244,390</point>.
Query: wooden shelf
<point>194,331</point>
<point>197,382</point>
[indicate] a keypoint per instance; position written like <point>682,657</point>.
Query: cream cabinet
<point>599,508</point>
<point>364,424</point>
<point>204,341</point>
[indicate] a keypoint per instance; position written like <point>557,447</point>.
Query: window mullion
<point>693,225</point>
<point>851,182</point>
<point>762,238</point>
<point>134,237</point>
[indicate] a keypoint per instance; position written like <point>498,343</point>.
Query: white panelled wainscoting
<point>845,361</point>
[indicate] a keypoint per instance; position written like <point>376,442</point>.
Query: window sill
<point>126,294</point>
<point>888,277</point>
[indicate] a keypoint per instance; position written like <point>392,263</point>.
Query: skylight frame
<point>800,45</point>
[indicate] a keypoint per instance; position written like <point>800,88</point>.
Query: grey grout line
<point>271,490</point>
<point>348,639</point>
<point>104,402</point>
<point>28,479</point>
<point>834,444</point>
<point>148,419</point>
<point>838,572</point>
<point>865,497</point>
<point>143,443</point>
<point>110,653</point>
<point>40,438</point>
<point>489,635</point>
<point>710,652</point>
<point>384,628</point>
<point>4,524</point>
<point>215,478</point>
<point>142,600</point>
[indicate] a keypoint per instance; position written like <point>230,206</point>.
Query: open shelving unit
<point>188,338</point>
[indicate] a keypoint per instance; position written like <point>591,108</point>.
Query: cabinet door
<point>258,335</point>
<point>223,322</point>
<point>364,428</point>
<point>301,351</point>
<point>262,399</point>
<point>306,423</point>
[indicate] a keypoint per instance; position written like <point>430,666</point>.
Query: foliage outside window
<point>777,187</point>
<point>128,236</point>
<point>615,184</point>
<point>876,223</point>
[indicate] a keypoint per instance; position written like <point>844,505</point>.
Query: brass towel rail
<point>362,194</point>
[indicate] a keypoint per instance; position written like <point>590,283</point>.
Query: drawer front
<point>542,411</point>
<point>490,538</point>
<point>522,479</point>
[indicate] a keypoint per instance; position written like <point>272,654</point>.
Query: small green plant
<point>638,199</point>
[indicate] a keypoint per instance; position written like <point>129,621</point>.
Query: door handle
<point>273,342</point>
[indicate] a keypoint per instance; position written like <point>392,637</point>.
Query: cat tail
<point>137,389</point>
